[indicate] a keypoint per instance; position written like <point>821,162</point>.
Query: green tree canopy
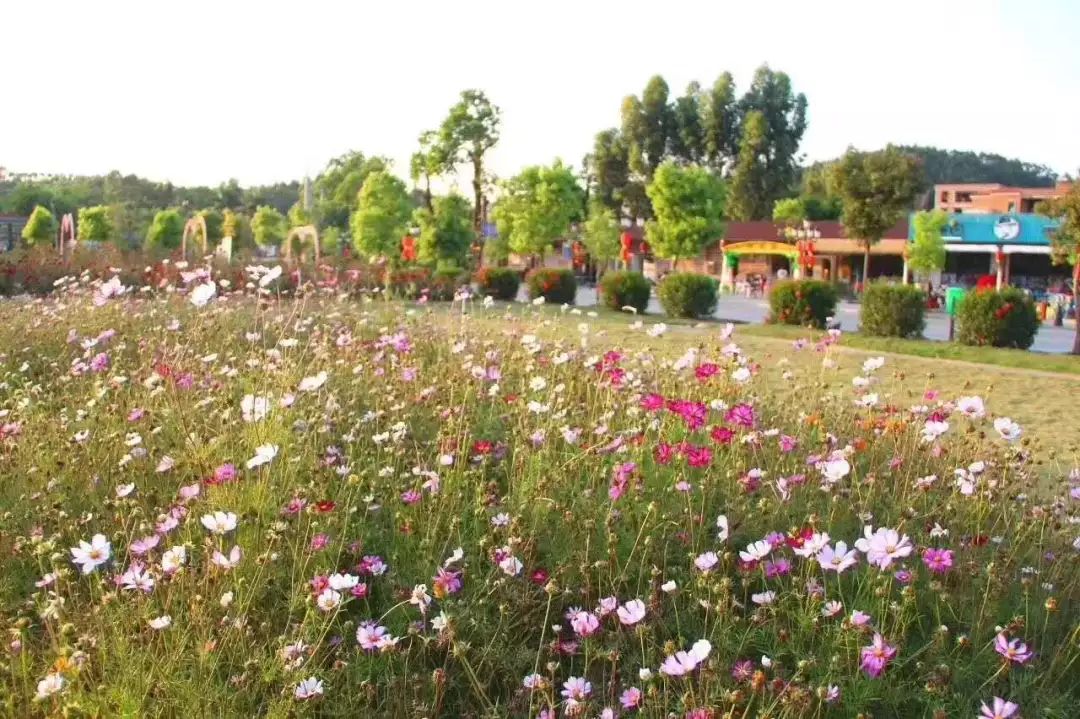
<point>268,227</point>
<point>720,119</point>
<point>750,199</point>
<point>94,224</point>
<point>166,230</point>
<point>688,206</point>
<point>41,227</point>
<point>876,190</point>
<point>537,207</point>
<point>601,235</point>
<point>381,217</point>
<point>237,226</point>
<point>789,211</point>
<point>927,250</point>
<point>647,125</point>
<point>446,232</point>
<point>338,185</point>
<point>214,225</point>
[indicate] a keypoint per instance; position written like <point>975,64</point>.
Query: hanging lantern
<point>1000,257</point>
<point>408,248</point>
<point>627,241</point>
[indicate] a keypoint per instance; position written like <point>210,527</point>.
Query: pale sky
<point>197,91</point>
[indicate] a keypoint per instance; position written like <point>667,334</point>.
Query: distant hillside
<point>942,166</point>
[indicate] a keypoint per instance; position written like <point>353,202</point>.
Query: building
<point>993,198</point>
<point>11,227</point>
<point>1014,248</point>
<point>763,249</point>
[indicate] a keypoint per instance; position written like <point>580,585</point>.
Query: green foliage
<point>268,227</point>
<point>926,253</point>
<point>625,289</point>
<point>720,119</point>
<point>889,310</point>
<point>688,133</point>
<point>688,295</point>
<point>338,185</point>
<point>165,231</point>
<point>215,222</point>
<point>537,207</point>
<point>647,125</point>
<point>330,241</point>
<point>41,227</point>
<point>999,319</point>
<point>382,217</point>
<point>789,211</point>
<point>298,216</point>
<point>947,166</point>
<point>445,234</point>
<point>609,170</point>
<point>688,205</point>
<point>601,235</point>
<point>499,282</point>
<point>94,224</point>
<point>1065,241</point>
<point>554,285</point>
<point>808,303</point>
<point>750,198</point>
<point>445,283</point>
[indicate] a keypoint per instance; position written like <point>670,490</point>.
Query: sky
<point>197,92</point>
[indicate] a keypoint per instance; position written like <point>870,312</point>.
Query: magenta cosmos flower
<point>938,561</point>
<point>877,656</point>
<point>1013,650</point>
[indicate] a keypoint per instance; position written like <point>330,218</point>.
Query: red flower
<point>325,505</point>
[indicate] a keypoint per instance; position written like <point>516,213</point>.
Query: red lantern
<point>1000,257</point>
<point>408,248</point>
<point>627,244</point>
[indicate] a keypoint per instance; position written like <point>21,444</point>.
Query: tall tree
<point>338,185</point>
<point>784,115</point>
<point>446,232</point>
<point>537,207</point>
<point>789,211</point>
<point>268,227</point>
<point>688,205</point>
<point>720,123</point>
<point>601,235</point>
<point>1065,243</point>
<point>876,190</point>
<point>381,217</point>
<point>214,225</point>
<point>926,253</point>
<point>647,126</point>
<point>471,129</point>
<point>428,163</point>
<point>40,227</point>
<point>236,226</point>
<point>687,142</point>
<point>750,198</point>
<point>166,230</point>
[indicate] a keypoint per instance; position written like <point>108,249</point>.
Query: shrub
<point>407,283</point>
<point>686,294</point>
<point>554,285</point>
<point>808,303</point>
<point>500,283</point>
<point>445,283</point>
<point>1000,319</point>
<point>625,289</point>
<point>893,310</point>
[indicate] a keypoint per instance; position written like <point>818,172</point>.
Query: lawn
<point>261,505</point>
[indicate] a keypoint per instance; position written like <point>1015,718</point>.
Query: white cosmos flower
<point>656,330</point>
<point>310,688</point>
<point>270,276</point>
<point>756,551</point>
<point>741,375</point>
<point>228,562</point>
<point>328,600</point>
<point>264,454</point>
<point>124,490</point>
<point>836,469</point>
<point>310,384</point>
<point>255,408</point>
<point>219,522</point>
<point>90,555</point>
<point>873,364</point>
<point>722,528</point>
<point>341,582</point>
<point>971,407</point>
<point>173,559</point>
<point>1008,429</point>
<point>933,429</point>
<point>51,684</point>
<point>161,622</point>
<point>202,293</point>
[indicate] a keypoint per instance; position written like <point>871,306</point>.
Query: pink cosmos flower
<point>631,698</point>
<point>877,656</point>
<point>938,561</point>
<point>685,662</point>
<point>741,415</point>
<point>1013,650</point>
<point>705,562</point>
<point>373,637</point>
<point>144,545</point>
<point>224,474</point>
<point>837,560</point>
<point>607,605</point>
<point>577,689</point>
<point>584,623</point>
<point>1001,709</point>
<point>652,402</point>
<point>632,612</point>
<point>883,546</point>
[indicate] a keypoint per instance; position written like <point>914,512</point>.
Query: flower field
<point>229,501</point>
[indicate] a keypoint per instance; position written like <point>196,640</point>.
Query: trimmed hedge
<point>893,310</point>
<point>623,288</point>
<point>554,285</point>
<point>445,283</point>
<point>689,295</point>
<point>999,319</point>
<point>808,303</point>
<point>501,283</point>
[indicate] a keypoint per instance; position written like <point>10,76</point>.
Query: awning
<point>1026,249</point>
<point>760,247</point>
<point>992,249</point>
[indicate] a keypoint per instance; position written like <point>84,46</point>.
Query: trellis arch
<point>196,224</point>
<point>67,234</point>
<point>306,233</point>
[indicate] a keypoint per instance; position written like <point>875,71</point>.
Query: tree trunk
<point>865,267</point>
<point>1076,307</point>
<point>427,194</point>
<point>477,183</point>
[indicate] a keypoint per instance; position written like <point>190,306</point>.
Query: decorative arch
<point>66,237</point>
<point>306,233</point>
<point>196,224</point>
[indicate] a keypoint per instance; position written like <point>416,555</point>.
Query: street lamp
<point>805,236</point>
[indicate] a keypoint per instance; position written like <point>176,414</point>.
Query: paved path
<point>754,310</point>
